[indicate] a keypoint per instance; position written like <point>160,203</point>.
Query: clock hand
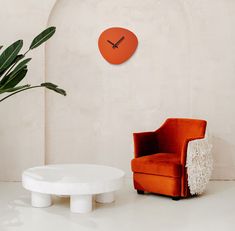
<point>112,44</point>
<point>118,41</point>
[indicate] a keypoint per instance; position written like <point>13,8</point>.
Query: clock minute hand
<point>119,41</point>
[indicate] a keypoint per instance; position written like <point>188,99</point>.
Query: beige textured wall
<point>184,67</point>
<point>22,116</point>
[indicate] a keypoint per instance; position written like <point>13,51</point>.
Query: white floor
<point>215,210</point>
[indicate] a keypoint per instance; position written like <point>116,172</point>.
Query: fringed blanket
<point>199,165</point>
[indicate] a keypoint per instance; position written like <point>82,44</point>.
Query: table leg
<point>105,197</point>
<point>40,200</point>
<point>81,203</point>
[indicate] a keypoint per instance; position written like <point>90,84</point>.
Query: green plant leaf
<point>42,37</point>
<point>60,91</point>
<point>48,84</point>
<point>54,87</point>
<point>9,54</point>
<point>4,80</point>
<point>18,58</point>
<point>2,72</point>
<point>14,89</point>
<point>15,79</point>
<point>14,62</point>
<point>20,66</point>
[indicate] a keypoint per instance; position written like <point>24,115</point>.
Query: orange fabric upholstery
<point>162,164</point>
<point>160,156</point>
<point>157,184</point>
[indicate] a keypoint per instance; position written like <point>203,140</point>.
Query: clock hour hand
<point>118,41</point>
<point>112,44</point>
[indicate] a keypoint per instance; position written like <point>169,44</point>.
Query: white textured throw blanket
<point>199,164</point>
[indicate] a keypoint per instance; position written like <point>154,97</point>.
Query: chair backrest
<point>172,135</point>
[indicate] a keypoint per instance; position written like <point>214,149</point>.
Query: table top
<point>72,179</point>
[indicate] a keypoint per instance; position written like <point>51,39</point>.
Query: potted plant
<point>13,66</point>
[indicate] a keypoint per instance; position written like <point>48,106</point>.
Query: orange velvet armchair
<point>160,157</point>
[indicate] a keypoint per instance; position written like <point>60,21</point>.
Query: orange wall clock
<point>117,44</point>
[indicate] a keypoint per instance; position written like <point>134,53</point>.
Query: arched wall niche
<point>106,103</point>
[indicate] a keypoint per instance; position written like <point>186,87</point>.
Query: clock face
<point>117,44</point>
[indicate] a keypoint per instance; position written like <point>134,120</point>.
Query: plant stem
<point>26,52</point>
<point>20,91</point>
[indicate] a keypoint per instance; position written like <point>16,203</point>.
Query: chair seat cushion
<point>163,164</point>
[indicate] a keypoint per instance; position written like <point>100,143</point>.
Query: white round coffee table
<point>79,181</point>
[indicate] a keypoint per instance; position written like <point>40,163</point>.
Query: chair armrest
<point>145,143</point>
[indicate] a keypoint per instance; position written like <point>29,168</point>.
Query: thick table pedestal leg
<point>40,200</point>
<point>81,203</point>
<point>105,197</point>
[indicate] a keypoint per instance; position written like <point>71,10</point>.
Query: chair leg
<point>176,198</point>
<point>140,191</point>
